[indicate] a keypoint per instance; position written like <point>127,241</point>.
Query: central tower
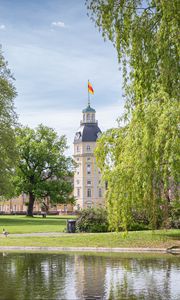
<point>88,188</point>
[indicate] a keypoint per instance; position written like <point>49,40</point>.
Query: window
<point>89,182</point>
<point>88,169</point>
<point>88,158</point>
<point>77,158</point>
<point>77,170</point>
<point>88,148</point>
<point>88,117</point>
<point>77,148</point>
<point>77,181</point>
<point>100,193</point>
<point>88,193</point>
<point>78,192</point>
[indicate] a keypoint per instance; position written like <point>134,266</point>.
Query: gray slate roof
<point>87,132</point>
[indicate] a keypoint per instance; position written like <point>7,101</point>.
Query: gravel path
<point>50,234</point>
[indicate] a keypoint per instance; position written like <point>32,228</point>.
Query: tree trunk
<point>30,205</point>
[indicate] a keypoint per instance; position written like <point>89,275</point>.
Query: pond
<point>86,276</point>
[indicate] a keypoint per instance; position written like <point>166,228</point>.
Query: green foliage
<point>43,170</point>
<point>139,221</point>
<point>92,220</point>
<point>141,160</point>
<point>7,124</point>
<point>174,218</point>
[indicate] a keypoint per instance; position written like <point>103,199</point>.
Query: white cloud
<point>58,24</point>
<point>2,27</point>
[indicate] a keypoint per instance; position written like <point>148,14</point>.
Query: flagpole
<point>88,95</point>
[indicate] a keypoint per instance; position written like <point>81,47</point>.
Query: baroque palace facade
<point>88,188</point>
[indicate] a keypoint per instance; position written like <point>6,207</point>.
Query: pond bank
<point>135,241</point>
<point>91,249</point>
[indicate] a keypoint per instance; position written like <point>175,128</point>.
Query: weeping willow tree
<point>140,160</point>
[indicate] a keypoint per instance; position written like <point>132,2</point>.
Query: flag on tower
<point>90,88</point>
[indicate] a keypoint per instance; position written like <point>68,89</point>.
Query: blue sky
<point>53,48</point>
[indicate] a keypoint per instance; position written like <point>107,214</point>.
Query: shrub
<point>174,219</point>
<point>137,226</point>
<point>92,220</point>
<point>139,221</point>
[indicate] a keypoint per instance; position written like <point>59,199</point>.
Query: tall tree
<point>7,124</point>
<point>43,170</point>
<point>140,161</point>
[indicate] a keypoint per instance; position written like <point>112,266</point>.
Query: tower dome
<point>88,130</point>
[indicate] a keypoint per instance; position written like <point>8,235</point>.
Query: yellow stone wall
<point>18,205</point>
<point>84,157</point>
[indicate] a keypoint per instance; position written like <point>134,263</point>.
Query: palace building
<point>88,187</point>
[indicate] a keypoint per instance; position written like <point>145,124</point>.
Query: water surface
<point>75,276</point>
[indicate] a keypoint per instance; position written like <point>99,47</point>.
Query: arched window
<point>100,192</point>
<point>88,193</point>
<point>88,117</point>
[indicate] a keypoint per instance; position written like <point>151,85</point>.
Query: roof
<point>87,133</point>
<point>88,109</point>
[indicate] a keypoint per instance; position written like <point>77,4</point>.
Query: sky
<point>53,48</point>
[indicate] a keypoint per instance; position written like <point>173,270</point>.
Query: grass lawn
<point>156,239</point>
<point>23,224</point>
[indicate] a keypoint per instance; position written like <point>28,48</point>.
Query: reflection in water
<point>61,276</point>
